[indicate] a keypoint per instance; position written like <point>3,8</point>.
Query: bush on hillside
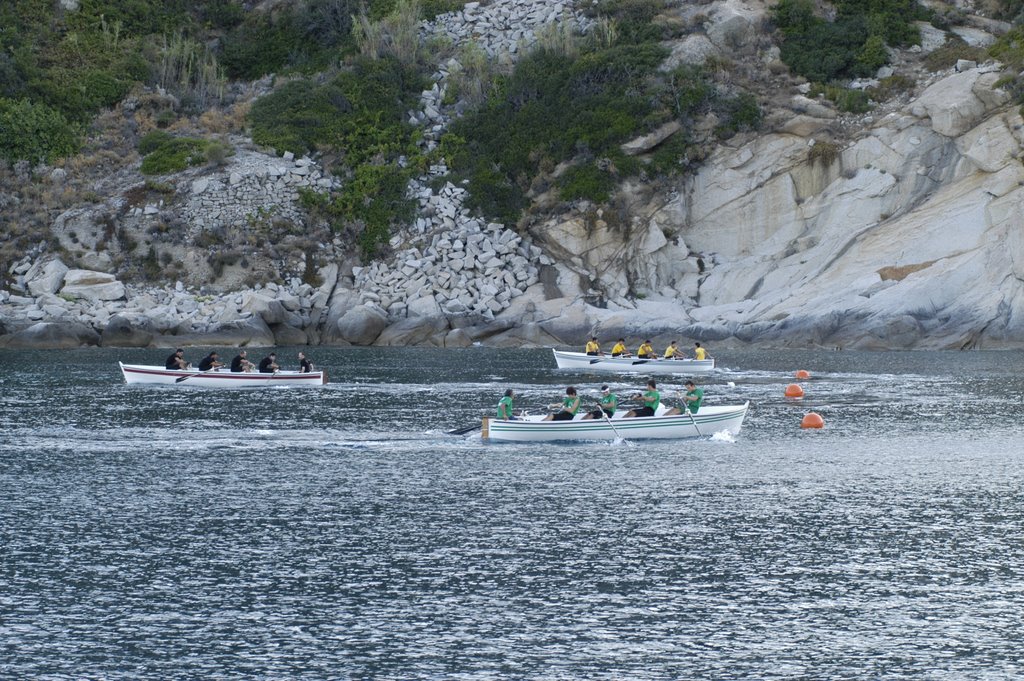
<point>851,46</point>
<point>164,153</point>
<point>34,132</point>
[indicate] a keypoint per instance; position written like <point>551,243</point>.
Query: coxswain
<point>646,351</point>
<point>305,366</point>
<point>593,347</point>
<point>505,406</point>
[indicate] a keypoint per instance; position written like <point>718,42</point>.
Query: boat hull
<point>706,422</point>
<point>632,365</point>
<point>136,374</point>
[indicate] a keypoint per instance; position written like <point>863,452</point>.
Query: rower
<point>177,360</point>
<point>268,365</point>
<point>593,347</point>
<point>619,350</point>
<point>699,352</point>
<point>240,363</point>
<point>673,351</point>
<point>305,366</point>
<point>646,351</point>
<point>606,405</point>
<point>651,399</point>
<point>570,405</point>
<point>694,396</point>
<point>210,362</point>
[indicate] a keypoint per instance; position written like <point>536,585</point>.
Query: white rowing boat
<point>217,378</point>
<point>581,360</point>
<point>706,422</point>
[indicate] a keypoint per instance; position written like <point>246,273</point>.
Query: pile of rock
<point>253,184</point>
<point>503,27</point>
<point>115,314</point>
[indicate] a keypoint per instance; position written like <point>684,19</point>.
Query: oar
<point>605,415</point>
<point>641,361</point>
<point>198,373</point>
<point>693,421</point>
<point>467,429</point>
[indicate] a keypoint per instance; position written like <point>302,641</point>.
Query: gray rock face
<point>362,324</point>
<point>289,335</point>
<point>415,331</point>
<point>53,336</point>
<point>92,285</point>
<point>48,278</point>
<point>125,332</point>
<point>253,331</point>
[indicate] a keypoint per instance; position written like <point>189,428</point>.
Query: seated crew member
<point>305,366</point>
<point>694,396</point>
<point>673,351</point>
<point>593,347</point>
<point>646,351</point>
<point>505,406</point>
<point>240,363</point>
<point>651,399</point>
<point>268,364</point>
<point>570,405</point>
<point>699,352</point>
<point>176,360</point>
<point>606,405</point>
<point>209,362</point>
<point>619,350</point>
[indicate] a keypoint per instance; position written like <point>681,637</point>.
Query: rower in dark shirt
<point>268,364</point>
<point>240,363</point>
<point>305,366</point>
<point>176,360</point>
<point>209,362</point>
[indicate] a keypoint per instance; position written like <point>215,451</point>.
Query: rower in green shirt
<point>651,399</point>
<point>694,397</point>
<point>505,406</point>
<point>570,405</point>
<point>607,404</point>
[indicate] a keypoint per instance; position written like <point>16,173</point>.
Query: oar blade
<point>466,429</point>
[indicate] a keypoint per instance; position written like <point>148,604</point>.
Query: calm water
<point>159,533</point>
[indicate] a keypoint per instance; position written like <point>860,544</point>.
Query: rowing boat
<point>217,378</point>
<point>706,422</point>
<point>581,360</point>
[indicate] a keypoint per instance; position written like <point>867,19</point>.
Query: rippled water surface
<point>339,532</point>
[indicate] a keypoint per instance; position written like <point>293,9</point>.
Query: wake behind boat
<point>581,360</point>
<point>217,378</point>
<point>707,421</point>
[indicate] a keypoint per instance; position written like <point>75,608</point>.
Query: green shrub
<point>167,154</point>
<point>853,45</point>
<point>586,182</point>
<point>360,113</point>
<point>35,132</point>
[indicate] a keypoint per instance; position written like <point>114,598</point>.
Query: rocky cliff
<point>899,228</point>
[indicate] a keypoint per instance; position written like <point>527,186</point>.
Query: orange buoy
<point>803,374</point>
<point>812,420</point>
<point>793,390</point>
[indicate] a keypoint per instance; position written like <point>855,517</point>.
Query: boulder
<point>251,331</point>
<point>122,331</point>
<point>362,324</point>
<point>47,279</point>
<point>415,331</point>
<point>92,285</point>
<point>647,142</point>
<point>289,335</point>
<point>54,336</point>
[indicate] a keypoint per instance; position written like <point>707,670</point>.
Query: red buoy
<point>812,420</point>
<point>793,390</point>
<point>803,374</point>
